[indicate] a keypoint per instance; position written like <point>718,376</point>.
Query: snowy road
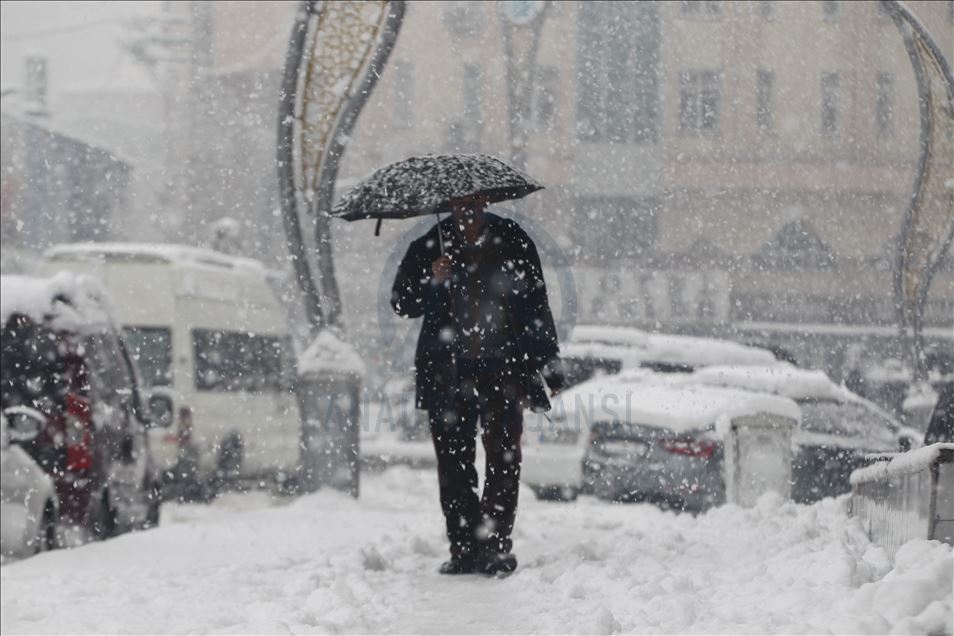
<point>325,563</point>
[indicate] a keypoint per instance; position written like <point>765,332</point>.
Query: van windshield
<point>151,349</point>
<point>240,361</point>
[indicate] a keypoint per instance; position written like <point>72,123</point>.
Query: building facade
<point>710,164</point>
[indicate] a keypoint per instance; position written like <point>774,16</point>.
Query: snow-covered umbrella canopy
<point>418,186</point>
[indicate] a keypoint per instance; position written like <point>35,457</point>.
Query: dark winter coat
<point>415,294</point>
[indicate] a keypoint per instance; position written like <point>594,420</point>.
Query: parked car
<point>209,331</point>
<point>552,458</point>
<point>651,438</point>
<point>63,358</point>
<point>941,426</point>
<point>29,509</point>
<point>838,427</point>
<point>604,350</point>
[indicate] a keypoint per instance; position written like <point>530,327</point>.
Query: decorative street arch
<point>928,224</point>
<point>336,54</point>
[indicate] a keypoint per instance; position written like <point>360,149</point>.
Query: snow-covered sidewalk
<point>326,563</point>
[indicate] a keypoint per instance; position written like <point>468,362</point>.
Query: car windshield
<point>151,349</point>
<point>846,419</point>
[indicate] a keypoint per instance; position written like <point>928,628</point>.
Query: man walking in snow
<point>487,338</point>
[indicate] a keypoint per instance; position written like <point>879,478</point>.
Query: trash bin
<point>329,388</point>
<point>758,457</point>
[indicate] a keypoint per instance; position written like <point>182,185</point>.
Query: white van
<point>207,326</point>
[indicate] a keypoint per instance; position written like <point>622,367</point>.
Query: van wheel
<point>46,534</point>
<point>556,493</point>
<point>230,458</point>
<point>104,519</point>
<point>154,499</point>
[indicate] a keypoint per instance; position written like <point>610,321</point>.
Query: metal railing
<point>906,496</point>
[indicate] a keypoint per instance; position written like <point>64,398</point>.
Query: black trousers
<point>488,391</point>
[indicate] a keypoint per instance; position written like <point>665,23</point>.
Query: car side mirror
<point>904,443</point>
<point>161,409</point>
<point>23,423</point>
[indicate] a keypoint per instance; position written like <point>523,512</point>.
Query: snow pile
<point>326,563</point>
<point>643,397</point>
<point>329,354</point>
<point>70,301</point>
<point>901,463</point>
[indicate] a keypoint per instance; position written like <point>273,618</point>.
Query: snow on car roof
<point>779,379</point>
<point>163,252</point>
<point>69,301</point>
<point>646,397</point>
<point>632,346</point>
<point>612,335</point>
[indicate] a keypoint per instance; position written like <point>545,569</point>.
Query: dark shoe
<point>458,565</point>
<point>497,563</point>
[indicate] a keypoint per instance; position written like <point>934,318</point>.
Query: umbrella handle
<point>440,234</point>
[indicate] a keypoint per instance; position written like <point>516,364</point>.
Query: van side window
<point>238,361</point>
<point>151,349</point>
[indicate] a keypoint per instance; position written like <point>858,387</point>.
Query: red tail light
<point>78,428</point>
<point>689,447</point>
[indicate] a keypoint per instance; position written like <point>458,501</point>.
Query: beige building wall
<point>731,189</point>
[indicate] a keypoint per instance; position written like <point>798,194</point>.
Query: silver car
<point>28,504</point>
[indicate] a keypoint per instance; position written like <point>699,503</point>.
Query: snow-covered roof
<point>632,347</point>
<point>645,397</point>
<point>69,301</point>
<point>165,252</point>
<point>55,127</point>
<point>329,354</point>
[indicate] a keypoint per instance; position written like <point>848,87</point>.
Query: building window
<point>829,103</point>
<point>764,100</point>
<point>829,9</point>
<point>473,119</point>
<point>699,100</point>
<point>404,94</point>
<point>463,18</point>
<point>544,102</point>
<point>796,246</point>
<point>701,8</point>
<point>618,71</point>
<point>884,106</point>
<point>767,9</point>
<point>617,227</point>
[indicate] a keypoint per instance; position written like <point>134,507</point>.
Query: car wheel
<point>46,538</point>
<point>230,458</point>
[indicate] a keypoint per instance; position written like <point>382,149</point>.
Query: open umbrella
<point>426,185</point>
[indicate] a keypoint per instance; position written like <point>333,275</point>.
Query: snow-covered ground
<point>327,563</point>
